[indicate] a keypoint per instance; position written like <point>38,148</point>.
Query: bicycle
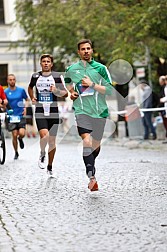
<point>4,118</point>
<point>2,139</point>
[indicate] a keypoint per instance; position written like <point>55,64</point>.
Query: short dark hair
<point>46,56</point>
<point>83,41</point>
<point>11,75</point>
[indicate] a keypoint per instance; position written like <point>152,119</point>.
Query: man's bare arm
<point>74,94</point>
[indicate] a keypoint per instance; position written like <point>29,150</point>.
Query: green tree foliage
<point>118,28</point>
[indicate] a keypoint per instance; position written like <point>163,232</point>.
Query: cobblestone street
<point>60,214</point>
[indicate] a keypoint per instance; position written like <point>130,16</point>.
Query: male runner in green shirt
<point>89,82</point>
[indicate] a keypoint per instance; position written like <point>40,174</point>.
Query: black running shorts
<point>50,124</point>
<point>17,126</point>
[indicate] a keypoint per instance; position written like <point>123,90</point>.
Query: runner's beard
<point>86,57</point>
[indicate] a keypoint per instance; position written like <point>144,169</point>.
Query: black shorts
<point>94,126</point>
<point>51,124</point>
<point>17,126</point>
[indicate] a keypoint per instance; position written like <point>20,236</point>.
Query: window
<point>3,75</point>
<point>2,21</point>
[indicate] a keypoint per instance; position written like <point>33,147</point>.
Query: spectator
<point>147,115</point>
<point>63,111</point>
<point>163,101</point>
<point>30,127</point>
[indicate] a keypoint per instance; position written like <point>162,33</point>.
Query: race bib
<point>45,97</point>
<point>85,91</point>
<point>14,119</point>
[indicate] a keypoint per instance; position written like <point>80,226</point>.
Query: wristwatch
<point>93,85</point>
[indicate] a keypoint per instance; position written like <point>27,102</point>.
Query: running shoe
<point>41,162</point>
<point>93,186</point>
<point>16,155</point>
<point>21,143</point>
<point>49,170</point>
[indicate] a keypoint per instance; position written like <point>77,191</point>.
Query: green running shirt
<point>90,102</point>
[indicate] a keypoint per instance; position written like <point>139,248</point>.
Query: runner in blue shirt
<point>16,96</point>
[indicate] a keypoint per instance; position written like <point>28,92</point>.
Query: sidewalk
<point>138,143</point>
<point>121,142</point>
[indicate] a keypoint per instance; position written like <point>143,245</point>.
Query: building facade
<point>13,59</point>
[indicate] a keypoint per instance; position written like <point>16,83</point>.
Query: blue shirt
<point>15,99</point>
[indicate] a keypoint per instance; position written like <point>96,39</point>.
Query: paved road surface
<point>41,214</point>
